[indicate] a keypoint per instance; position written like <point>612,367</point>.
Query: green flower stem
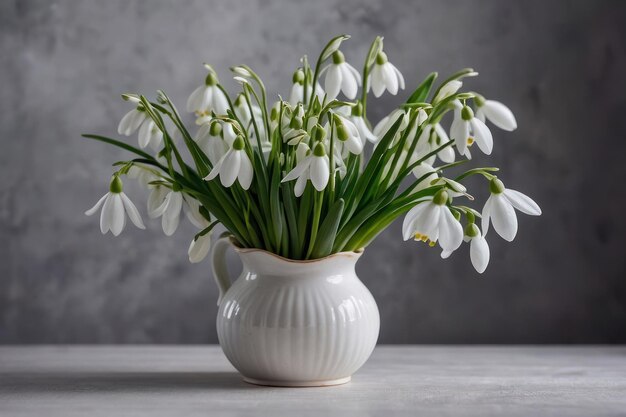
<point>317,211</point>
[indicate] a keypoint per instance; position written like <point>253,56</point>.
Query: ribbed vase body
<point>297,323</point>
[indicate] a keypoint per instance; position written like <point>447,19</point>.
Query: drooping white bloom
<point>208,98</point>
<point>234,165</point>
<point>169,210</point>
<point>432,220</point>
<point>500,209</point>
<point>355,115</point>
<point>347,135</point>
<point>115,205</point>
<point>150,134</point>
<point>314,167</point>
<point>199,248</point>
<point>132,120</point>
<point>449,88</point>
<point>297,89</point>
<point>497,113</point>
<point>384,76</point>
<point>209,140</point>
<point>341,76</point>
<point>387,122</point>
<point>432,137</point>
<point>479,248</point>
<point>467,129</point>
<point>426,171</point>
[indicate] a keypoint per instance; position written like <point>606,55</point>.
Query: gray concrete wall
<point>560,66</point>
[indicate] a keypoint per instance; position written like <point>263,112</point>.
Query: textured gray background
<point>559,65</point>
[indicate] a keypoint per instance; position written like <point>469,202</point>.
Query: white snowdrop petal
<point>124,124</point>
<point>348,82</point>
<point>217,167</point>
<point>485,215</point>
<point>427,223</point>
<point>319,172</point>
<point>297,94</point>
<point>500,115</point>
<point>195,99</point>
<point>480,115</point>
<point>482,135</point>
<point>245,171</point>
<point>199,249</point>
<point>118,216</point>
<point>131,210</point>
<point>171,216</point>
<point>503,217</point>
<point>479,254</point>
<point>332,82</point>
<point>300,185</point>
<point>377,81</point>
<point>398,75</point>
<point>144,133</point>
<point>381,127</point>
<point>391,80</point>
<point>447,155</point>
<point>450,231</point>
<point>459,132</point>
<point>408,229</point>
<point>522,202</point>
<point>96,206</point>
<point>355,74</point>
<point>220,104</point>
<point>155,201</point>
<point>230,168</point>
<point>106,215</point>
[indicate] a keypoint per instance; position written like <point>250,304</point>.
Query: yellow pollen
<point>418,236</point>
<point>424,238</point>
<point>431,243</point>
<point>470,140</point>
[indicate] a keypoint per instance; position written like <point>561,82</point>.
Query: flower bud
<point>319,149</point>
<point>116,186</point>
<point>467,113</point>
<point>210,79</point>
<point>318,133</point>
<point>239,143</point>
<point>342,132</point>
<point>298,77</point>
<point>357,111</point>
<point>496,186</point>
<point>381,58</point>
<point>471,230</point>
<point>338,58</point>
<point>441,197</point>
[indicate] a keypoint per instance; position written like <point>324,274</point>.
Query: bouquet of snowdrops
<point>292,177</point>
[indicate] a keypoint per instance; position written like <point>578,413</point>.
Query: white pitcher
<point>294,323</point>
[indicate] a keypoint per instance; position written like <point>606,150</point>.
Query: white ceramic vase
<point>294,323</point>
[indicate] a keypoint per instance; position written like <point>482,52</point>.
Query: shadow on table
<point>121,381</point>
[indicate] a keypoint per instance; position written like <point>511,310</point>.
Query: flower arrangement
<point>292,178</point>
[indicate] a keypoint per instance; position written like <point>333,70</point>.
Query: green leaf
<point>328,231</point>
<point>421,92</point>
<point>119,144</point>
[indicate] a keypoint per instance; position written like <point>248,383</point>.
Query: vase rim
<point>239,249</point>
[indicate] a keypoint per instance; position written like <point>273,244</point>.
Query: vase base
<point>297,384</point>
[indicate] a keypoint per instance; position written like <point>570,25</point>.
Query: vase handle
<point>218,264</point>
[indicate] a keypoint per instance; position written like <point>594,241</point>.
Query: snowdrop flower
<point>384,76</point>
<point>422,170</point>
<point>133,119</point>
<point>356,117</point>
<point>341,76</point>
<point>115,205</point>
<point>209,140</point>
<point>169,210</point>
<point>387,122</point>
<point>496,112</point>
<point>208,98</point>
<point>142,174</point>
<point>234,165</point>
<point>150,134</point>
<point>199,248</point>
<point>500,209</point>
<point>433,221</point>
<point>465,126</point>
<point>297,89</point>
<point>347,135</point>
<point>191,207</point>
<point>245,116</point>
<point>431,138</point>
<point>449,88</point>
<point>314,167</point>
<point>479,249</point>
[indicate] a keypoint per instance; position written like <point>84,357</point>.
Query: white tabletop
<point>396,381</point>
